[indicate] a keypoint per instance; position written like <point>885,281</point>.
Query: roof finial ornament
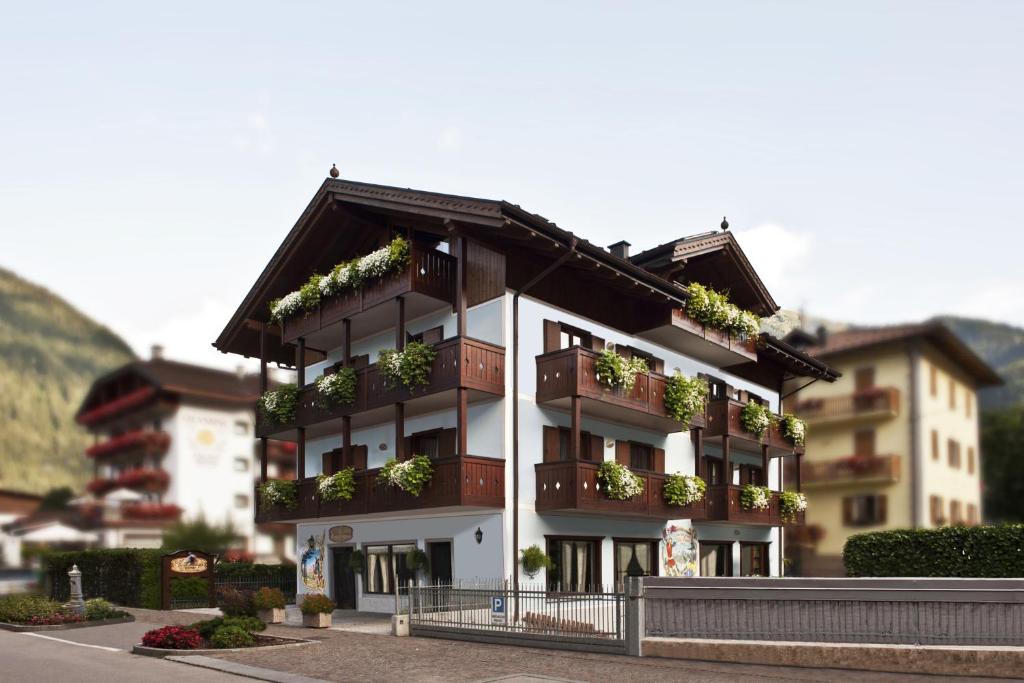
<point>334,171</point>
<point>725,223</point>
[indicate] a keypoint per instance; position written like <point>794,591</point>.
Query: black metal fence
<point>497,611</point>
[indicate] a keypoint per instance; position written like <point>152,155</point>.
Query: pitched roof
<point>943,338</point>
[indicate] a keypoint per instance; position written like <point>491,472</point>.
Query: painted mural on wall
<point>311,563</point>
<point>680,551</point>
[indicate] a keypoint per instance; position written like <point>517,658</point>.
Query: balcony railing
<point>723,419</point>
<point>571,372</point>
<point>854,469</point>
<point>137,441</point>
<point>877,402</point>
<point>466,481</point>
<point>430,273</point>
<point>678,331</point>
<point>723,505</point>
<point>460,362</point>
<point>572,486</point>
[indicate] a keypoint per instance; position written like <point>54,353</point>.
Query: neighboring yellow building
<point>893,443</point>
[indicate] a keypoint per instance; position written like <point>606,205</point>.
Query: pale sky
<point>868,156</point>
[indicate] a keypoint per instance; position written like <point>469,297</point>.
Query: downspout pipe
<point>515,400</point>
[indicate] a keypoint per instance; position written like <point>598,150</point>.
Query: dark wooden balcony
<point>461,362</point>
<point>723,419</point>
<point>868,404</point>
<point>571,486</point>
<point>854,469</point>
<point>723,505</point>
<point>570,372</point>
<point>684,334</point>
<point>469,482</point>
<point>427,284</point>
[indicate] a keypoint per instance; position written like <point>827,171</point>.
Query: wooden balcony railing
<point>854,469</point>
<point>460,362</point>
<point>430,273</point>
<point>723,505</point>
<point>572,486</point>
<point>723,419</point>
<point>467,481</point>
<point>571,372</point>
<point>871,403</point>
<point>743,347</point>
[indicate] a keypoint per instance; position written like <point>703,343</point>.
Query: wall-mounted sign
<point>188,565</point>
<point>340,534</point>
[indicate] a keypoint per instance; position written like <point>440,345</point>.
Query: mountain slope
<point>1002,347</point>
<point>49,355</point>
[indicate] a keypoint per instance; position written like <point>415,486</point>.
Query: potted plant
<point>357,561</point>
<point>755,497</point>
<point>316,610</point>
<point>756,419</point>
<point>409,367</point>
<point>269,604</point>
<point>614,371</point>
<point>791,503</point>
<point>278,493</point>
<point>533,560</point>
<point>793,429</point>
<point>685,396</point>
<point>618,481</point>
<point>409,475</point>
<point>417,561</point>
<point>337,389</point>
<point>683,489</point>
<point>338,486</point>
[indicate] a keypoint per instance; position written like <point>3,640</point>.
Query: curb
<point>237,669</point>
<point>164,653</point>
<point>29,628</point>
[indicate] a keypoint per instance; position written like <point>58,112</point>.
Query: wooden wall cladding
<point>485,273</point>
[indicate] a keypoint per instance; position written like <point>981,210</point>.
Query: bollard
<point>76,604</point>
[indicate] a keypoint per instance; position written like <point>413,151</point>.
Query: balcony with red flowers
<point>150,511</point>
<point>139,441</point>
<point>139,479</point>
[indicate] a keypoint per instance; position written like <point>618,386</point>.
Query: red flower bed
<point>55,618</point>
<point>150,442</point>
<point>130,400</point>
<point>173,638</point>
<point>151,511</point>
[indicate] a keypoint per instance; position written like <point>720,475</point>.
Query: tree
<point>200,535</point>
<point>56,499</point>
<point>1002,445</point>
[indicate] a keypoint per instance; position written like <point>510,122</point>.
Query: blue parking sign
<point>497,610</point>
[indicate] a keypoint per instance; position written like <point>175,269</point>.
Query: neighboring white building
<point>517,311</point>
<point>176,441</point>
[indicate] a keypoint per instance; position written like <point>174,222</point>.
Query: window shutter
<point>659,459</point>
<point>848,511</point>
<point>551,444</point>
<point>596,343</point>
<point>446,443</point>
<point>327,462</point>
<point>359,362</point>
<point>552,336</point>
<point>622,453</point>
<point>433,335</point>
<point>880,508</point>
<point>359,456</point>
<point>595,449</point>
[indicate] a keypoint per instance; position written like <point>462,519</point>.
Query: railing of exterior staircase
<point>497,611</point>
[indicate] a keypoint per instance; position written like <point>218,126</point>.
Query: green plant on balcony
<point>756,418</point>
<point>755,497</point>
<point>685,396</point>
<point>338,486</point>
<point>278,405</point>
<point>791,503</point>
<point>417,561</point>
<point>409,475</point>
<point>683,489</point>
<point>533,560</point>
<point>616,372</point>
<point>357,561</point>
<point>793,429</point>
<point>337,389</point>
<point>278,493</point>
<point>410,367</point>
<point>618,481</point>
<point>714,309</point>
<point>345,276</point>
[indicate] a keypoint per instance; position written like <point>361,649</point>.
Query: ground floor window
<point>577,564</point>
<point>754,559</point>
<point>634,558</point>
<point>386,567</point>
<point>715,558</point>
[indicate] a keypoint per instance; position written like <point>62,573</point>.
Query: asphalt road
<point>32,659</point>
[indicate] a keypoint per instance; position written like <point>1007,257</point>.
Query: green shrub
<point>979,551</point>
<point>235,603</point>
<point>21,608</point>
<point>190,588</point>
<point>231,636</point>
<point>317,603</point>
<point>417,561</point>
<point>534,559</point>
<point>124,576</point>
<point>208,627</point>
<point>98,608</point>
<point>268,598</point>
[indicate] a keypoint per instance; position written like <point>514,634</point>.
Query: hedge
<point>955,551</point>
<point>129,577</point>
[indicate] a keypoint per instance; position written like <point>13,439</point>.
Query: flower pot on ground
<point>269,603</point>
<point>316,610</point>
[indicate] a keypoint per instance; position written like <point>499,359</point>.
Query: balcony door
<point>344,578</point>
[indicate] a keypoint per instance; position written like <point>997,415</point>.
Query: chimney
<point>620,249</point>
<point>156,352</point>
<point>822,335</point>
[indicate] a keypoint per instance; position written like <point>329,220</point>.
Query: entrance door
<point>440,562</point>
<point>344,578</point>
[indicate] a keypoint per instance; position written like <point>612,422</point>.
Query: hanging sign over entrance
<point>340,534</point>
